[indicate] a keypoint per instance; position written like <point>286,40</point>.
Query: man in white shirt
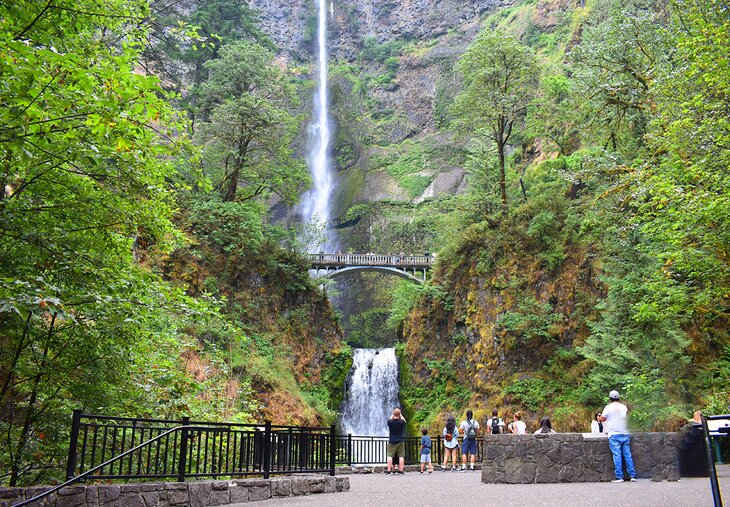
<point>470,429</point>
<point>619,440</point>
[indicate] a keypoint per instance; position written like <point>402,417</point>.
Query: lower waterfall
<point>371,392</point>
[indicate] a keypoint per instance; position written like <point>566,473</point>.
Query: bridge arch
<point>334,273</point>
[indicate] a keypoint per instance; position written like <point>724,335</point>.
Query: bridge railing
<point>205,450</point>
<point>372,450</point>
<point>341,259</point>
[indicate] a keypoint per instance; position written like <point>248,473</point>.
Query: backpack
<point>495,425</point>
<point>471,431</point>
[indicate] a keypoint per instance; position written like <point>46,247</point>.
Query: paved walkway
<point>466,489</point>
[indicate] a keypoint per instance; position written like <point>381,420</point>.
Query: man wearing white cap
<point>619,440</point>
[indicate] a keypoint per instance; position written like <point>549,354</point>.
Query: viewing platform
<point>412,267</point>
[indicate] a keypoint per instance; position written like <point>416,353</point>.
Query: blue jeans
<point>619,445</point>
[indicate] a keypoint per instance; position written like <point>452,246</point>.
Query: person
<point>696,418</point>
<point>426,451</point>
<point>451,443</point>
<point>396,442</point>
<point>545,426</point>
<point>619,440</point>
<point>596,425</point>
<point>495,425</point>
<point>517,426</point>
<point>470,429</point>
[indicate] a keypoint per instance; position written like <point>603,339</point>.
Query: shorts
<point>469,447</point>
<point>397,450</point>
<point>426,458</point>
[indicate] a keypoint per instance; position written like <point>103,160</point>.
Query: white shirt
<point>520,427</point>
<point>596,429</point>
<point>465,425</point>
<point>615,414</point>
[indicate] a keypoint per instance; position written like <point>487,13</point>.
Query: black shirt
<point>396,428</point>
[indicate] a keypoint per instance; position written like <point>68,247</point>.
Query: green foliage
<point>381,53</point>
<point>532,321</point>
<point>442,391</point>
<point>532,393</point>
<point>368,328</point>
<point>615,66</point>
<point>249,131</point>
<point>500,78</point>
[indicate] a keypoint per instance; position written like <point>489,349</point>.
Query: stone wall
<point>171,494</point>
<point>574,457</point>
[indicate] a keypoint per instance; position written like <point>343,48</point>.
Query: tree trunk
<point>230,186</point>
<point>502,179</point>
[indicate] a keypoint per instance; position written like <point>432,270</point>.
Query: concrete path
<point>466,489</point>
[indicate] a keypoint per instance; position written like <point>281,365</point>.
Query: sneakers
<point>388,472</point>
<point>633,479</point>
<point>617,480</point>
<point>430,471</point>
<point>400,472</point>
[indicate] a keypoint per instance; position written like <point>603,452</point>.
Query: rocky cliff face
<point>352,21</point>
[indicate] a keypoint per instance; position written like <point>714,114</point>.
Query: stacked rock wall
<point>174,494</point>
<point>574,457</point>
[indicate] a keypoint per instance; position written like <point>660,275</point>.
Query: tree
<point>684,187</point>
<point>614,67</point>
<point>85,150</point>
<point>554,114</point>
<point>248,130</point>
<point>500,80</point>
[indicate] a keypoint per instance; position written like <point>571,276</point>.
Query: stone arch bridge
<point>411,267</point>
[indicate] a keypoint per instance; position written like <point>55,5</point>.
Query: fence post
<point>438,442</point>
<point>714,485</point>
<point>267,449</point>
<point>333,450</point>
<point>182,463</point>
<point>73,444</point>
<point>349,449</point>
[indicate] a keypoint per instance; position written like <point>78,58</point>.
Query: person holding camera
<point>619,440</point>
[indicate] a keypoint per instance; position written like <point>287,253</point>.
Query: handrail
<point>115,458</point>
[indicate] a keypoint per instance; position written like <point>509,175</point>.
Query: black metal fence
<point>367,450</point>
<point>198,449</point>
<point>180,449</point>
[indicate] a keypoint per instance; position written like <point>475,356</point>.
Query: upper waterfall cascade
<point>316,202</point>
<point>372,392</point>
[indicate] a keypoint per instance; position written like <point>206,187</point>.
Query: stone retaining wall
<point>574,457</point>
<point>172,494</point>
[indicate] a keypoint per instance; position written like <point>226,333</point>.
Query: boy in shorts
<point>426,451</point>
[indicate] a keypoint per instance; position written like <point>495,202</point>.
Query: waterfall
<point>372,392</point>
<point>316,202</point>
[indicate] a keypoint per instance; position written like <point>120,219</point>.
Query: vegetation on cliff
<point>611,270</point>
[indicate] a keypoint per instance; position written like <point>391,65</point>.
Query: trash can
<point>692,454</point>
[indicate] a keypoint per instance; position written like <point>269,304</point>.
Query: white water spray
<point>316,202</point>
<point>372,392</point>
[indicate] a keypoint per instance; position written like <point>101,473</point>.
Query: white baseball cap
<point>614,395</point>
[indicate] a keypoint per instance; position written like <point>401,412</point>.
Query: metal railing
<point>198,449</point>
<point>371,450</point>
<point>400,261</point>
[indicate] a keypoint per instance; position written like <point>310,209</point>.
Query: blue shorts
<point>469,447</point>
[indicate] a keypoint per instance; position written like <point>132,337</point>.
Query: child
<point>426,451</point>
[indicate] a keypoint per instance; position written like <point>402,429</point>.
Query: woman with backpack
<point>451,443</point>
